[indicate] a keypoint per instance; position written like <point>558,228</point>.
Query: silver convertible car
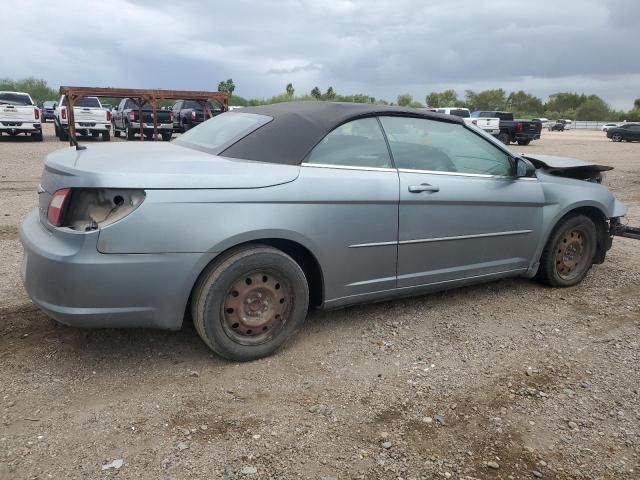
<point>252,217</point>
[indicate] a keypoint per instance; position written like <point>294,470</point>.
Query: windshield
<point>48,104</point>
<point>7,98</point>
<point>219,132</point>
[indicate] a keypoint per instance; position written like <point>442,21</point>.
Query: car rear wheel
<point>524,142</point>
<point>616,137</point>
<point>568,255</point>
<point>63,135</point>
<point>37,136</point>
<point>106,136</point>
<point>166,137</point>
<point>504,137</point>
<point>249,302</point>
<point>129,133</point>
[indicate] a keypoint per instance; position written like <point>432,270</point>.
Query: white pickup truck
<point>489,125</point>
<point>90,119</point>
<point>18,115</point>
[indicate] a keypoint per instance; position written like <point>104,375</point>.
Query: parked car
<point>607,126</point>
<point>568,124</point>
<point>489,125</point>
<point>89,116</point>
<point>246,225</point>
<point>557,126</point>
<point>18,114</point>
<point>189,113</point>
<point>629,132</point>
<point>48,111</point>
<point>126,119</point>
<point>521,131</point>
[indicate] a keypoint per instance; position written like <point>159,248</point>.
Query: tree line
<point>574,106</point>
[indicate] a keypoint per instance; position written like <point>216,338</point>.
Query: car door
<point>634,132</point>
<point>462,213</point>
<point>350,191</point>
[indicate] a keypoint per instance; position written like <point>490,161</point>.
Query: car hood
<point>155,165</point>
<point>555,164</point>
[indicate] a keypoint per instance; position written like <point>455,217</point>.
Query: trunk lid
<point>162,116</point>
<point>17,113</point>
<point>157,165</point>
<point>89,114</point>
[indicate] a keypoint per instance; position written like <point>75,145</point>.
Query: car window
<point>359,143</point>
<point>421,144</point>
<point>222,130</point>
<point>19,99</point>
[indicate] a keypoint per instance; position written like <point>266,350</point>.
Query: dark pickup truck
<point>126,118</point>
<point>189,113</point>
<point>521,131</point>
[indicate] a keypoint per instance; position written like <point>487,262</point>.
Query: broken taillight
<point>59,200</point>
<point>93,208</point>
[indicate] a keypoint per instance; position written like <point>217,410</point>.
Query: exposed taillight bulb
<point>55,212</point>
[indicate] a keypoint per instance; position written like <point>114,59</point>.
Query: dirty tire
<point>504,137</point>
<point>568,255</point>
<point>217,288</point>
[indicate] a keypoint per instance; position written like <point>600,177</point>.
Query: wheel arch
<point>597,214</point>
<point>300,253</point>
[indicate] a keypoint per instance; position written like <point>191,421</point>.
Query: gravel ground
<point>503,380</point>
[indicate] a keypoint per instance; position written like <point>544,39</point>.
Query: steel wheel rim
<point>256,307</point>
<point>571,251</point>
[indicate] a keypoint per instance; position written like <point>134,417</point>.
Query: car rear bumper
<point>20,127</point>
<point>73,283</point>
<point>89,126</point>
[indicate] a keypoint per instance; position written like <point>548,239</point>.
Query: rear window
<point>221,131</point>
<point>15,99</point>
<point>459,112</point>
<point>88,102</point>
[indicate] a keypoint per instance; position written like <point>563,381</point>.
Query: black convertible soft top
<point>298,126</point>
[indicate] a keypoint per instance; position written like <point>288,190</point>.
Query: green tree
<point>37,88</point>
<point>316,93</point>
<point>290,90</point>
<point>227,86</point>
<point>330,95</point>
<point>404,100</point>
<point>487,99</point>
<point>636,104</point>
<point>565,103</point>
<point>525,104</point>
<point>448,98</point>
<point>594,108</point>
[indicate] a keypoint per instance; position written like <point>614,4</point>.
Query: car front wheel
<point>247,304</point>
<point>616,137</point>
<point>568,255</point>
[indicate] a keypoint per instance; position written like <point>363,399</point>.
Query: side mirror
<point>524,168</point>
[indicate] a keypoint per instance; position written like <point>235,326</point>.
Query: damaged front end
<point>570,168</point>
<point>617,229</point>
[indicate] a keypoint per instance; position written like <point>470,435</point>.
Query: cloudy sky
<point>381,48</point>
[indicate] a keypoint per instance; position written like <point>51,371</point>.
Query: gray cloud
<point>378,48</point>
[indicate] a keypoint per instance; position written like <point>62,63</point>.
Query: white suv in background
<point>489,125</point>
<point>18,114</point>
<point>90,117</point>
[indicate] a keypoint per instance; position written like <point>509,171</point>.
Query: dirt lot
<point>504,380</point>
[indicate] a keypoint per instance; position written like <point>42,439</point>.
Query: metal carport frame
<point>139,96</point>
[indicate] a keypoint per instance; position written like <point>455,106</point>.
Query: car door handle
<point>423,187</point>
